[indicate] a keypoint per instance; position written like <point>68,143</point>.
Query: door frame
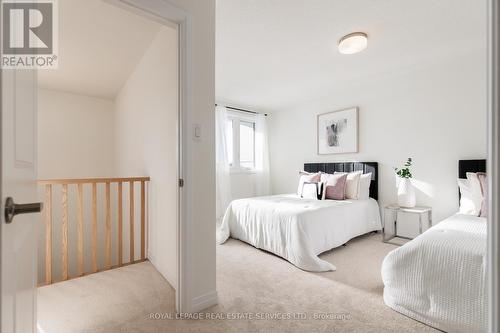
<point>164,12</point>
<point>493,249</point>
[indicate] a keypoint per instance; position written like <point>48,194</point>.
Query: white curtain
<point>223,180</point>
<point>263,182</point>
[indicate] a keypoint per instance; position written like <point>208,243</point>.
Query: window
<point>241,142</point>
<point>247,144</point>
<point>230,150</point>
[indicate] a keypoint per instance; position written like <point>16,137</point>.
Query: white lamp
<point>353,43</point>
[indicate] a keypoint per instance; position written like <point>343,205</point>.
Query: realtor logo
<point>29,34</point>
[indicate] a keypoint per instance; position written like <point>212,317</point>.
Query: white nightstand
<point>405,223</point>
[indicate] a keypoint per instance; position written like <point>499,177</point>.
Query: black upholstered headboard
<point>465,166</point>
<point>366,167</point>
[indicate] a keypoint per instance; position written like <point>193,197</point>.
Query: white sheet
<point>299,229</point>
<point>439,277</point>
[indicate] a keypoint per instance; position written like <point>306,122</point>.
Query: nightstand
<point>406,223</point>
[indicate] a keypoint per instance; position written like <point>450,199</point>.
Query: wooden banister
<point>81,226</point>
<point>90,180</point>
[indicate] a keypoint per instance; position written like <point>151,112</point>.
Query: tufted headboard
<point>366,167</point>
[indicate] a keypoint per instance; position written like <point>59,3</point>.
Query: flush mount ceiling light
<point>353,43</point>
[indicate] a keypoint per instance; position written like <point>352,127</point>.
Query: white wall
<point>243,185</point>
<point>435,113</point>
<point>75,135</point>
<point>146,143</point>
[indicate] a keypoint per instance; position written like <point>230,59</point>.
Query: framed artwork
<point>338,132</point>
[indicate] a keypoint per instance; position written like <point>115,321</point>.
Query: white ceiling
<point>273,54</point>
<point>99,46</point>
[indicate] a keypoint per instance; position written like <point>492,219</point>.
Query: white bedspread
<point>299,229</point>
<point>439,278</point>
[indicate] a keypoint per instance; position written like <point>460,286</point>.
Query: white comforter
<point>439,278</point>
<point>299,229</point>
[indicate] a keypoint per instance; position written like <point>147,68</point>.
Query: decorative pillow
<point>352,184</point>
<point>309,178</point>
<point>484,190</point>
<point>467,204</point>
<point>311,191</point>
<point>334,186</point>
<point>477,193</point>
<point>365,181</point>
<point>324,177</point>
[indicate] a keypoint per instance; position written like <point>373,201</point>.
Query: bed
<point>299,229</point>
<point>439,278</point>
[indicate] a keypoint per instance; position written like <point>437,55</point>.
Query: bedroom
<point>334,164</point>
<point>413,90</point>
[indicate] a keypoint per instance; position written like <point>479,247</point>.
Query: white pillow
<point>468,204</point>
<point>308,178</point>
<point>352,184</point>
<point>311,191</point>
<point>477,191</point>
<point>365,181</point>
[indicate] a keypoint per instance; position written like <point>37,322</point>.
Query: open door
<point>18,186</point>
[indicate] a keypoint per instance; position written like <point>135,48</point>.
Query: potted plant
<point>406,192</point>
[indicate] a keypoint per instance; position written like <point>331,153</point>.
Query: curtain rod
<point>242,110</point>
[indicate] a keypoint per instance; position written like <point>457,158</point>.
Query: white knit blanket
<point>439,278</point>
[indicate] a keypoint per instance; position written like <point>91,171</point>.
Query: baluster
<point>94,227</point>
<point>143,220</point>
<point>108,227</point>
<point>48,234</point>
<point>120,223</point>
<point>80,229</point>
<point>64,231</point>
<point>132,236</point>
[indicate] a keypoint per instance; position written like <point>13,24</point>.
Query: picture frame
<point>337,132</point>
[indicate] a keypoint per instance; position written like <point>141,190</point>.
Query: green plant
<point>405,172</point>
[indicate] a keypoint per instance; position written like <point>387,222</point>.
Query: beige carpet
<point>250,282</point>
<point>102,301</point>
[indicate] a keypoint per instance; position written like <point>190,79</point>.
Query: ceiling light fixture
<point>353,43</point>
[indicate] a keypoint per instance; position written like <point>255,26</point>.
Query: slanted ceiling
<point>99,47</point>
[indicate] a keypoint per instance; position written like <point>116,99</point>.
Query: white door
<point>18,170</point>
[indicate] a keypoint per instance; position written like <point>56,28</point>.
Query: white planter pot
<point>406,193</point>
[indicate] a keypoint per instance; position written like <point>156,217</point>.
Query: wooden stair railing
<point>48,214</point>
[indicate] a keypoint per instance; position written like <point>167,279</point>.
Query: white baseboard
<point>202,302</point>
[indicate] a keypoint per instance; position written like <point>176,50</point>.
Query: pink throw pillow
<point>484,189</point>
<point>335,186</point>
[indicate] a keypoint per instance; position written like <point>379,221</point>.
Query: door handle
<point>12,209</point>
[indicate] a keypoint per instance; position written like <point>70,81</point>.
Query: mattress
<point>439,278</point>
<point>298,229</point>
